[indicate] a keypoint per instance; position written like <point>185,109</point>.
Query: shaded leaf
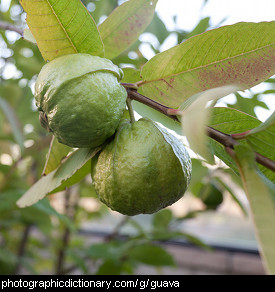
<point>79,175</point>
<point>194,119</point>
<point>162,219</point>
<point>110,267</point>
<point>248,105</point>
<point>54,179</point>
<point>201,27</point>
<point>261,139</point>
<point>261,203</point>
<point>241,54</point>
<point>235,198</point>
<point>158,29</point>
<point>151,255</point>
<point>125,24</point>
<point>57,152</point>
<point>14,123</point>
<point>62,27</point>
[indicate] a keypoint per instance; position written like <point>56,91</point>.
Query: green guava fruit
<point>80,99</point>
<point>211,196</point>
<point>142,170</point>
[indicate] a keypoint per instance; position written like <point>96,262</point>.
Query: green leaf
<point>162,219</point>
<point>158,29</point>
<point>14,123</point>
<point>151,255</point>
<point>261,140</point>
<point>201,27</point>
<point>268,124</point>
<point>227,187</point>
<point>57,152</point>
<point>125,24</point>
<point>75,178</point>
<point>248,105</point>
<point>241,54</point>
<point>130,75</point>
<point>62,27</point>
<point>231,121</point>
<point>261,200</point>
<point>110,267</point>
<point>54,179</point>
<point>45,206</point>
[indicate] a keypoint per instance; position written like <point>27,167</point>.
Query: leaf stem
<point>8,26</point>
<point>228,141</point>
<point>130,109</point>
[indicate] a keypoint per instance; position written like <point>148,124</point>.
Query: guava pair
<point>141,168</point>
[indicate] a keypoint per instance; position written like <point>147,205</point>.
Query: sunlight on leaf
<point>28,36</point>
<point>242,53</point>
<point>194,118</point>
<point>62,27</point>
<point>125,24</point>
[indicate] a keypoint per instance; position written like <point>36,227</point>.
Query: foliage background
<point>44,238</point>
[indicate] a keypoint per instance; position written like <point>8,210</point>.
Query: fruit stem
<point>130,109</point>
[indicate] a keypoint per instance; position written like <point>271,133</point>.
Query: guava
<point>211,196</point>
<point>80,99</point>
<point>142,170</point>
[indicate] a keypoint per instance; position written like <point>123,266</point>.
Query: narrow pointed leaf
<point>125,24</point>
<point>57,152</point>
<point>14,123</point>
<point>243,53</point>
<point>54,179</point>
<point>268,124</point>
<point>261,200</point>
<point>62,27</point>
<point>262,140</point>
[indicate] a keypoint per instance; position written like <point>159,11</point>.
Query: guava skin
<point>138,171</point>
<point>211,196</point>
<point>81,99</point>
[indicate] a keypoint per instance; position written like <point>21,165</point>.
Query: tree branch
<point>8,26</point>
<point>226,140</point>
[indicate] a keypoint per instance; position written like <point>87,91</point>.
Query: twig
<point>22,247</point>
<point>8,26</point>
<point>117,229</point>
<point>133,94</point>
<point>226,140</point>
<point>70,208</point>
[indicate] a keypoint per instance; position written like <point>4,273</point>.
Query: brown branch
<point>8,26</point>
<point>134,95</point>
<point>226,140</point>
